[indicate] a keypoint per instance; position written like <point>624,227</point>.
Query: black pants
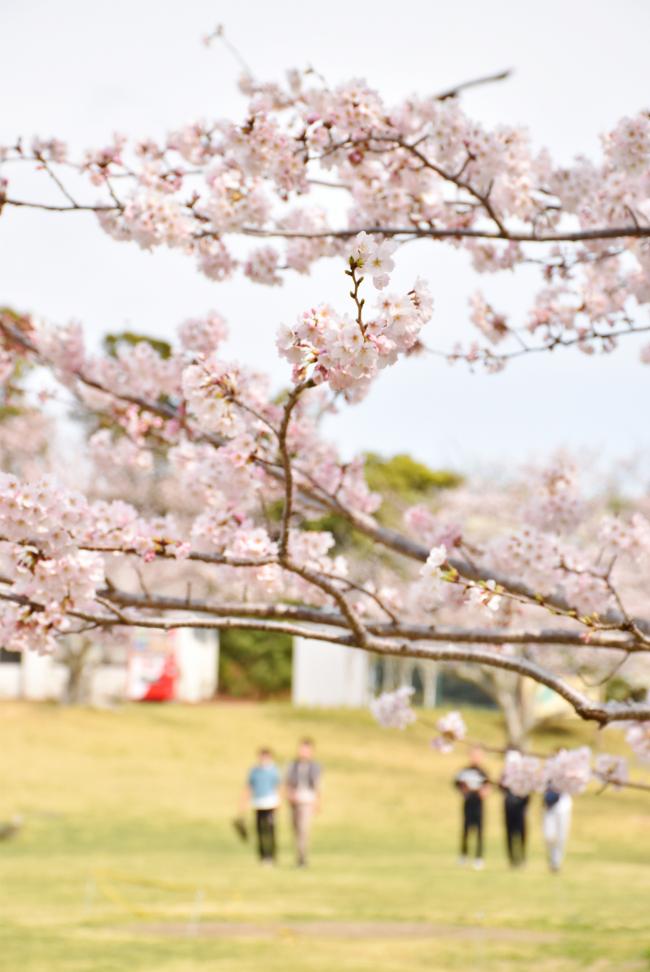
<point>515,817</point>
<point>472,823</point>
<point>265,821</point>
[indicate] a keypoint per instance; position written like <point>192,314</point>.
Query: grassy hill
<point>127,861</point>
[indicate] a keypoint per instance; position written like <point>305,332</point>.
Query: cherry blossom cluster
<point>569,771</point>
<point>324,346</point>
<point>522,774</point>
<point>392,710</point>
<point>638,738</point>
<point>544,530</point>
<point>422,167</point>
<point>452,729</point>
<point>435,577</point>
<point>612,770</point>
<point>51,540</point>
<point>39,527</point>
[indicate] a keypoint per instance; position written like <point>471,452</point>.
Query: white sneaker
<point>478,864</point>
<point>463,861</point>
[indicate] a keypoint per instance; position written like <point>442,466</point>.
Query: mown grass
<point>127,859</point>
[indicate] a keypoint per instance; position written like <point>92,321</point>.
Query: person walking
<point>262,793</point>
<point>514,811</point>
<point>555,825</point>
<point>303,794</point>
<point>473,783</point>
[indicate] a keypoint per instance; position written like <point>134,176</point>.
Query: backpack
<point>551,797</point>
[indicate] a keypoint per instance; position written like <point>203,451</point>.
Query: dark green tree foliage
<point>619,689</point>
<point>254,664</point>
<point>405,478</point>
<point>12,391</point>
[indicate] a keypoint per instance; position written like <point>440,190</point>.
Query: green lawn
<point>127,861</point>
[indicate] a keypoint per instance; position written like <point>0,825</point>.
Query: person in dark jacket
<point>514,813</point>
<point>473,783</point>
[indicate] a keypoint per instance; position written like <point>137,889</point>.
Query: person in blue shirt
<point>262,793</point>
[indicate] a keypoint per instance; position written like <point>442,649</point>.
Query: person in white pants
<point>556,824</point>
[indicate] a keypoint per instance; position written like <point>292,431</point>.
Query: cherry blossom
<point>392,710</point>
<point>611,769</point>
<point>452,729</point>
<point>638,737</point>
<point>484,595</point>
<point>324,346</point>
<point>203,335</point>
<point>435,560</point>
<point>522,774</point>
<point>374,258</point>
<point>569,771</point>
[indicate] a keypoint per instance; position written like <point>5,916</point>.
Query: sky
<point>81,71</point>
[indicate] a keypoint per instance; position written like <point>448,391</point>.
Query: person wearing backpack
<point>303,794</point>
<point>555,825</point>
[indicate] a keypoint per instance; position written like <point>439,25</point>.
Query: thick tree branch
<point>631,231</point>
<point>412,632</point>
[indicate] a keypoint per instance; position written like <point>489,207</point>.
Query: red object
<point>163,688</point>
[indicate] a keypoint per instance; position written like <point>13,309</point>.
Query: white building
<point>120,674</point>
<point>333,675</point>
<point>329,675</point>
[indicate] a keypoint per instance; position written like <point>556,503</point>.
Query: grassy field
<point>127,860</point>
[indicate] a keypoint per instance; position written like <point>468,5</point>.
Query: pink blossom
<point>611,769</point>
<point>374,258</point>
<point>452,729</point>
<point>484,595</point>
<point>392,710</point>
<point>522,774</point>
<point>435,560</point>
<point>638,738</point>
<point>569,771</point>
<point>262,266</point>
<point>204,334</point>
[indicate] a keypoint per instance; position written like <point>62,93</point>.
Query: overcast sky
<point>82,71</point>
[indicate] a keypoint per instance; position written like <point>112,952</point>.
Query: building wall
<point>197,655</point>
<point>10,680</point>
<point>329,675</point>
